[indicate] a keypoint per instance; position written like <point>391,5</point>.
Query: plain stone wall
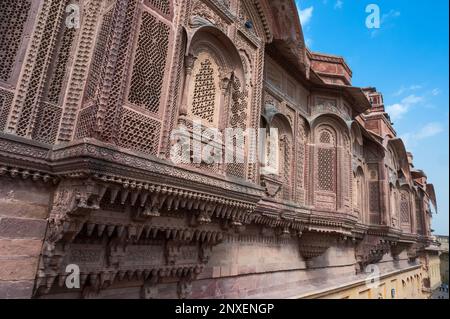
<point>24,207</point>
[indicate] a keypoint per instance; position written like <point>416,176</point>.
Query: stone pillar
<point>189,65</point>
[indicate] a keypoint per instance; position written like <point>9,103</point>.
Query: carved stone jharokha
<point>86,118</point>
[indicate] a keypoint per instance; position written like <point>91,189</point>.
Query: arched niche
<point>357,140</point>
<point>215,83</point>
<point>394,205</point>
<point>398,158</point>
<point>419,212</point>
<point>405,209</point>
<point>332,165</point>
<point>279,154</point>
<point>359,195</point>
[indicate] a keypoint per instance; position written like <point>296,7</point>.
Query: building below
<point>97,200</point>
<point>443,240</point>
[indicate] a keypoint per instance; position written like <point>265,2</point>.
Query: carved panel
<point>405,211</point>
<point>374,203</point>
<point>238,120</point>
<point>300,161</point>
<point>98,55</point>
<point>139,132</point>
<point>61,64</point>
<point>326,169</point>
<point>200,9</point>
<point>327,105</point>
<point>83,54</point>
<point>32,82</point>
<point>163,6</point>
<point>13,16</point>
<point>47,123</point>
<point>149,67</point>
<point>6,99</point>
<point>205,95</point>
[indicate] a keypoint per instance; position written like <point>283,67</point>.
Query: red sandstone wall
<point>23,210</point>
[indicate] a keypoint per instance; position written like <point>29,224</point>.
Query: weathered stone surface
<point>22,198</point>
<point>22,228</point>
<point>18,269</point>
<point>22,209</point>
<point>16,289</point>
<point>20,247</point>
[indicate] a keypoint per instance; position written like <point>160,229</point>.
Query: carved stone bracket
<point>185,287</point>
<point>371,250</point>
<point>314,244</point>
<point>413,251</point>
<point>398,247</point>
<point>150,289</point>
<point>272,186</point>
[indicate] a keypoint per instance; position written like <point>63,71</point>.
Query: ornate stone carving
<point>273,186</point>
<point>313,244</point>
<point>371,250</point>
<point>185,288</point>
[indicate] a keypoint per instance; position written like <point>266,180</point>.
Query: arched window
<point>326,168</point>
<point>204,90</point>
<point>285,154</point>
<point>326,162</point>
<point>405,211</point>
<point>215,93</point>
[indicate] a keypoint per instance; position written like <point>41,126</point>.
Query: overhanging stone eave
<point>273,213</point>
<point>98,157</point>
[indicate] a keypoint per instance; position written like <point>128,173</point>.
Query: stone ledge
<point>349,285</point>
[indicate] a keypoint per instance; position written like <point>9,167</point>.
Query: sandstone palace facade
<point>87,108</point>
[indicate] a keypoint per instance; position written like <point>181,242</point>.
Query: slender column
<point>189,66</point>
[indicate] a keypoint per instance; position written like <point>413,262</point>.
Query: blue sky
<point>407,59</point>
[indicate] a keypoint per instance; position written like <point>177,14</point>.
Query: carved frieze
<point>327,105</point>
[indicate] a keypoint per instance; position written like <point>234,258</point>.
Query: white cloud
<point>385,18</point>
<point>429,130</point>
<point>389,16</point>
<point>404,89</point>
<point>306,15</point>
<point>436,92</point>
<point>412,99</point>
<point>398,110</point>
<point>338,4</point>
